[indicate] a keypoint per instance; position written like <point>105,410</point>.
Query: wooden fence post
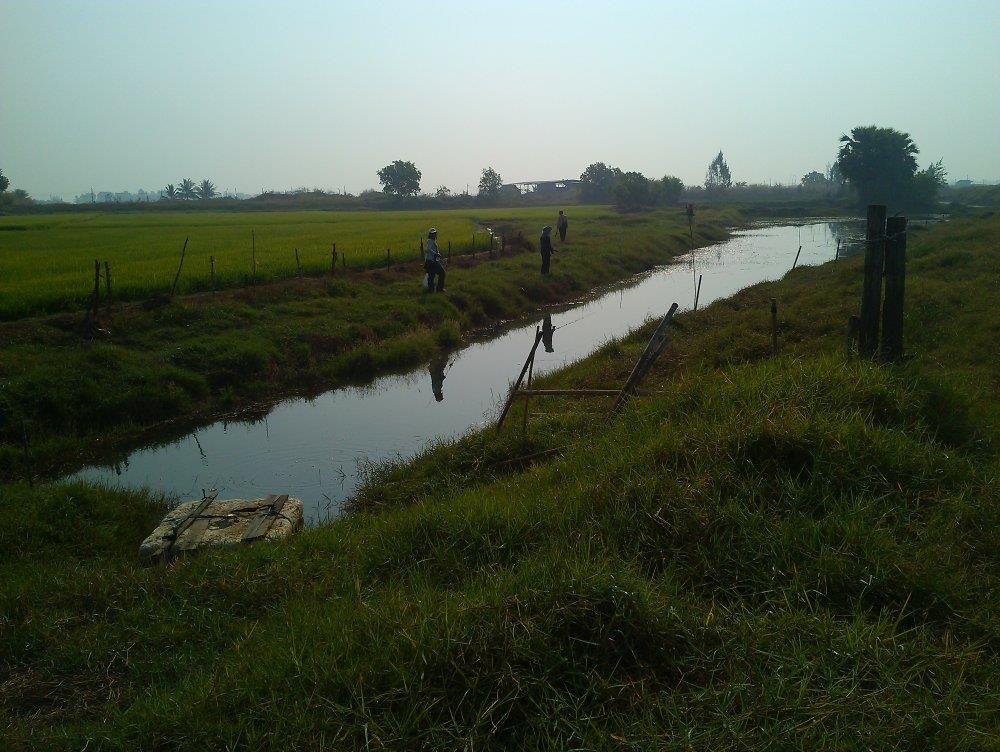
<point>107,284</point>
<point>895,283</point>
<point>697,293</point>
<point>836,256</point>
<point>795,263</point>
<point>449,250</point>
<point>333,259</point>
<point>517,384</point>
<point>298,264</point>
<point>871,292</point>
<point>173,287</point>
<point>343,262</point>
<point>96,297</point>
<point>211,271</point>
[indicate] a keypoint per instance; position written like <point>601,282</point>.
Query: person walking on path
<point>546,248</point>
<point>432,261</point>
<point>562,224</point>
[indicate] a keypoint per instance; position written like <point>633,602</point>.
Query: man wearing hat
<point>546,247</point>
<point>432,261</point>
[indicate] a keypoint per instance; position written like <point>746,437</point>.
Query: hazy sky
<point>128,95</point>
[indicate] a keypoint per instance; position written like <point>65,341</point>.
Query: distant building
<point>545,187</point>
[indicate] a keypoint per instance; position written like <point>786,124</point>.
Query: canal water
<point>315,449</point>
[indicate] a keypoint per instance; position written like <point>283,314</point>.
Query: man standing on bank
<point>432,261</point>
<point>545,244</point>
<point>562,224</point>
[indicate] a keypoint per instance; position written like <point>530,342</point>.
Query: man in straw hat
<point>546,248</point>
<point>432,261</point>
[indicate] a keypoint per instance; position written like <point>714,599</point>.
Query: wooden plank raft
<point>211,522</point>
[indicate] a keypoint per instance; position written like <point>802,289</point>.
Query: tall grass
<point>793,553</point>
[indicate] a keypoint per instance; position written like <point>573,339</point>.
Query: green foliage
<point>718,177</point>
<point>632,192</point>
<point>400,179</point>
<point>4,182</point>
<point>170,192</point>
<point>205,189</point>
<point>187,189</point>
<point>599,181</point>
<point>814,179</point>
<point>667,190</point>
<point>881,166</point>
<point>490,183</point>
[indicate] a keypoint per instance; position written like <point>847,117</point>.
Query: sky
<point>266,95</point>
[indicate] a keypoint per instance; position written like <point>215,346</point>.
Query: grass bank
<point>796,552</point>
<point>67,398</point>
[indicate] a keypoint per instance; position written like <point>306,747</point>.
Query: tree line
<point>188,190</point>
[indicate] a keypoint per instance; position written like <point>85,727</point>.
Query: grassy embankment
<point>77,398</point>
<point>797,552</point>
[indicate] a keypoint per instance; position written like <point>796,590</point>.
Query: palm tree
<point>187,189</point>
<point>206,189</point>
<point>170,191</point>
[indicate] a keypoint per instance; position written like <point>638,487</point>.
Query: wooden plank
<point>193,534</point>
<point>266,515</point>
<point>895,283</point>
<point>653,349</point>
<point>871,293</point>
<point>187,522</point>
<point>520,378</point>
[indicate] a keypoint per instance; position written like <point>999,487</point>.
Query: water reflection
<point>547,331</point>
<point>437,367</point>
<point>311,448</point>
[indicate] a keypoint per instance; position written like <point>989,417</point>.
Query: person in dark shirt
<point>546,248</point>
<point>562,224</point>
<point>432,261</point>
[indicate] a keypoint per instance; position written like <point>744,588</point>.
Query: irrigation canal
<point>315,449</point>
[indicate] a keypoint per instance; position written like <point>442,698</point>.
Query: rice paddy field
<point>47,262</point>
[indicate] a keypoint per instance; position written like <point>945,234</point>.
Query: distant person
<point>562,224</point>
<point>432,261</point>
<point>546,248</point>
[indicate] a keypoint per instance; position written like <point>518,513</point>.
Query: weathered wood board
<point>195,525</point>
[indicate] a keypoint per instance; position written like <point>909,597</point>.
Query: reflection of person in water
<point>437,370</point>
<point>547,330</point>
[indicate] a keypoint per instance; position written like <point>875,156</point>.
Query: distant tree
<point>814,179</point>
<point>599,181</point>
<point>400,178</point>
<point>632,192</point>
<point>718,176</point>
<point>4,182</point>
<point>443,191</point>
<point>667,190</point>
<point>170,191</point>
<point>187,189</point>
<point>926,185</point>
<point>20,194</point>
<point>490,183</point>
<point>879,164</point>
<point>205,189</point>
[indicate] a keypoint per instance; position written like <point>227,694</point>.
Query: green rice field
<point>47,262</point>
